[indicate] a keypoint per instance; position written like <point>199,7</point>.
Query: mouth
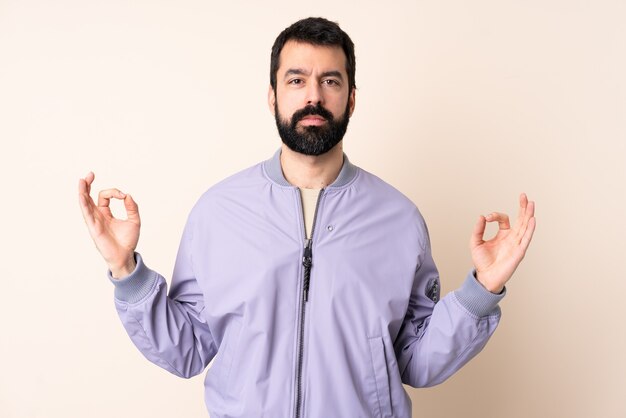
<point>312,120</point>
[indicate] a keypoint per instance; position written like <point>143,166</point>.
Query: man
<point>308,279</point>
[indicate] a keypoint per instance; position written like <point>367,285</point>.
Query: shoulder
<point>377,188</point>
<point>236,187</point>
<point>379,195</point>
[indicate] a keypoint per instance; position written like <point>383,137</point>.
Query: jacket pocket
<point>224,361</point>
<point>382,400</point>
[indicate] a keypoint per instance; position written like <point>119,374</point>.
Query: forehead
<point>311,57</point>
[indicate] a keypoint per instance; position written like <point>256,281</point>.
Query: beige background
<point>461,105</point>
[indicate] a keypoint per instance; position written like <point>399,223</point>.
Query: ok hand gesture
<point>116,239</point>
<point>495,260</point>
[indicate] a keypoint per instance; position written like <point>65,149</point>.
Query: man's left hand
<point>495,260</point>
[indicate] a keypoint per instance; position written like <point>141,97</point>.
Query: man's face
<point>312,103</point>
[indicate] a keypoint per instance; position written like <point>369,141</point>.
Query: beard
<point>312,140</point>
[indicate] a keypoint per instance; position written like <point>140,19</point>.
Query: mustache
<point>311,110</point>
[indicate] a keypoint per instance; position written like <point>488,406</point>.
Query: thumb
<point>132,210</point>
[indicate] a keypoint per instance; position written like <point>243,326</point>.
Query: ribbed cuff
<point>476,299</point>
<point>136,285</point>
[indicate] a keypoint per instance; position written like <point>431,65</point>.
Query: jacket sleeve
<point>438,337</point>
<point>169,330</point>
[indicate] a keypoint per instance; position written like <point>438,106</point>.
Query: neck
<point>311,171</point>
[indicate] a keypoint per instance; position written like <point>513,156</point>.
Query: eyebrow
<point>300,71</point>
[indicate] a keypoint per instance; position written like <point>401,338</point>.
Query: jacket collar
<point>275,172</point>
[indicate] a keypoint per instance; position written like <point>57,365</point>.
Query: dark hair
<point>316,31</point>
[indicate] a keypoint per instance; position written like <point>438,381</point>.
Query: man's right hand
<point>116,239</point>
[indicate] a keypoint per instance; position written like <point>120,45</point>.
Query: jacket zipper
<point>307,263</point>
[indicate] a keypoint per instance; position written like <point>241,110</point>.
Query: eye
<point>331,82</point>
<point>296,81</point>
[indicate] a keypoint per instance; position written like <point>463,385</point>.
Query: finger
<point>132,210</point>
<point>530,210</point>
<point>82,186</point>
<point>528,235</point>
<point>84,199</point>
<point>89,178</point>
<point>523,200</point>
<point>529,214</point>
<point>479,230</point>
<point>523,203</point>
<point>105,196</point>
<point>501,218</point>
<point>86,208</point>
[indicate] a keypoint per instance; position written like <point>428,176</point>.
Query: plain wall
<point>461,105</point>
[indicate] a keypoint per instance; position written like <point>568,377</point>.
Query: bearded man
<point>308,280</point>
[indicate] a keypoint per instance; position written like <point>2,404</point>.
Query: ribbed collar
<point>275,171</point>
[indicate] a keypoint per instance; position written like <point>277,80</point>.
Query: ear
<point>271,99</point>
<point>351,100</point>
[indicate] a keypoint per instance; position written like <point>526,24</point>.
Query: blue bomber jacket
<point>327,327</point>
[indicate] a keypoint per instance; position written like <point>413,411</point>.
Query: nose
<point>314,94</point>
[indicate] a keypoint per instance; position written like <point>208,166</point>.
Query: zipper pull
<point>308,254</point>
<point>307,262</point>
